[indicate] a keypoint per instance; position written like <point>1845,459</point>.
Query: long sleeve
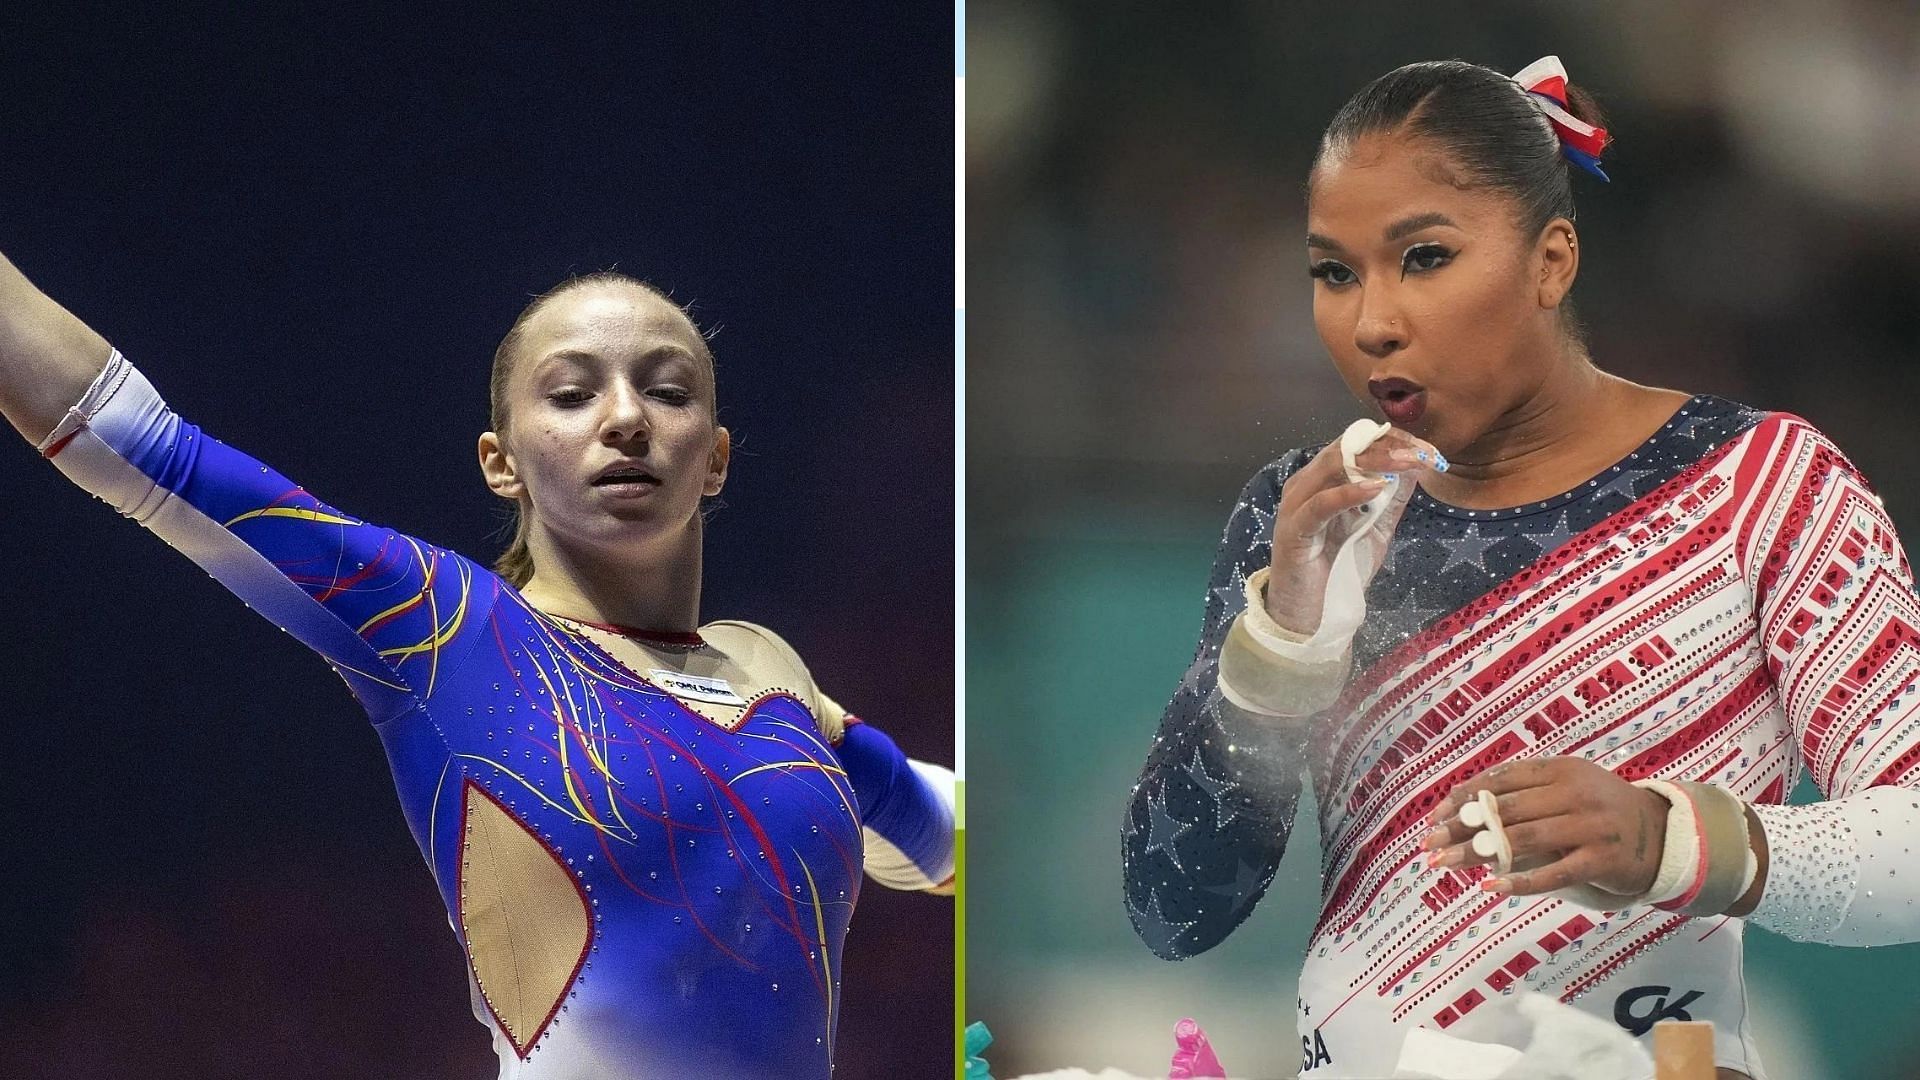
<point>906,811</point>
<point>1208,821</point>
<point>1840,622</point>
<point>379,606</point>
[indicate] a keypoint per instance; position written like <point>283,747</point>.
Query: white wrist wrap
<point>1267,669</point>
<point>1682,858</point>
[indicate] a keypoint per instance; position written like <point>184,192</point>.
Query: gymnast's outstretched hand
<point>1570,822</point>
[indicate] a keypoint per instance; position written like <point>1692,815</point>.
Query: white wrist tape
<point>1270,670</point>
<point>1344,607</point>
<point>99,392</point>
<point>1716,828</point>
<point>1683,857</point>
<point>1359,435</point>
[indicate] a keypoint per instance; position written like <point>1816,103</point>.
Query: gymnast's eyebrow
<point>588,358</point>
<point>1417,222</point>
<point>1394,232</point>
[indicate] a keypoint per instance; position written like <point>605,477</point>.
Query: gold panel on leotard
<point>525,920</point>
<point>751,659</point>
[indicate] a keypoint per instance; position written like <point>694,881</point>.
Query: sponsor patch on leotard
<point>718,691</point>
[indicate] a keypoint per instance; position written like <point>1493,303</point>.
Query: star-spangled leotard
<point>641,890</point>
<point>1728,604</point>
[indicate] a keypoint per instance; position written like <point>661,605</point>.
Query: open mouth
<point>626,476</point>
<point>1393,390</point>
<point>1404,402</point>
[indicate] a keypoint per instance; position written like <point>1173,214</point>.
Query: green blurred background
<point>1140,341</point>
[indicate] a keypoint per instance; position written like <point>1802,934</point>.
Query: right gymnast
<point>1611,623</point>
<point>649,834</point>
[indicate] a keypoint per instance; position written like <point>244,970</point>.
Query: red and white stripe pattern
<point>1752,613</point>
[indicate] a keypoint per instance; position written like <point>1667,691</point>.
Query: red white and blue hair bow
<point>1580,141</point>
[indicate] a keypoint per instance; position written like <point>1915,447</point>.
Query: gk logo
<point>1639,1023</point>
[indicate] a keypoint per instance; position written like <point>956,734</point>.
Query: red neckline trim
<point>687,638</point>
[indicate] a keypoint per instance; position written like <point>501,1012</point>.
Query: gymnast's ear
<point>498,467</point>
<point>1557,259</point>
<point>717,461</point>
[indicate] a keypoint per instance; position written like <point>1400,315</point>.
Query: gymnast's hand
<point>1315,503</point>
<point>1569,821</point>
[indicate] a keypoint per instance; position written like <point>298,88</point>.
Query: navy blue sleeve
<point>1208,821</point>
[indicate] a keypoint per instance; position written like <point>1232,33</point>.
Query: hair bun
<point>1581,141</point>
<point>1585,108</point>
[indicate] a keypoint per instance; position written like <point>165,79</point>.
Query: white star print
<point>1232,595</point>
<point>1158,931</point>
<point>1163,829</point>
<point>1469,549</point>
<point>1561,532</point>
<point>1245,877</point>
<point>1223,809</point>
<point>1262,523</point>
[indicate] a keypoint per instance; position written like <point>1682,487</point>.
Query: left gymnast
<point>649,834</point>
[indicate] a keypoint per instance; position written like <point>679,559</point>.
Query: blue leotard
<point>641,891</point>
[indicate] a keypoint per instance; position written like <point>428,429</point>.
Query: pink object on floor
<point>1194,1059</point>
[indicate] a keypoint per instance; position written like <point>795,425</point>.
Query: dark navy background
<point>311,230</point>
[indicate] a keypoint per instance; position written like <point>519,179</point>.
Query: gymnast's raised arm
<point>379,606</point>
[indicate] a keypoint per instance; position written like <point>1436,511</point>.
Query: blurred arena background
<point>311,226</point>
<point>1141,341</point>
